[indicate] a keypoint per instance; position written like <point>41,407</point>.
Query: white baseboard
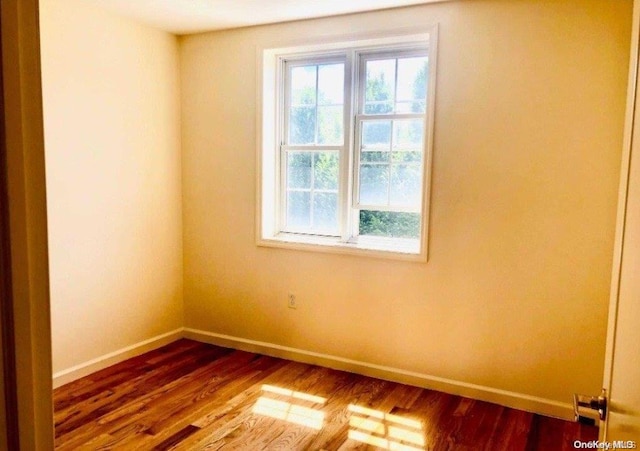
<point>76,372</point>
<point>506,398</point>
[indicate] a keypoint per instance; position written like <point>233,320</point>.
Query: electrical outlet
<point>292,301</point>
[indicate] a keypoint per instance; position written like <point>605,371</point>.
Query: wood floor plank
<point>169,403</point>
<point>142,377</point>
<point>191,396</point>
<point>127,410</point>
<point>511,430</point>
<point>176,438</point>
<point>207,397</point>
<point>330,393</point>
<point>336,426</point>
<point>112,375</point>
<point>225,418</point>
<point>265,426</point>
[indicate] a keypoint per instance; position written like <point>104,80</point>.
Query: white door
<point>622,364</point>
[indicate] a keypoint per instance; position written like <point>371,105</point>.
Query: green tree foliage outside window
<point>389,224</point>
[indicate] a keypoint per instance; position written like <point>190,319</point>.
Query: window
<point>345,146</point>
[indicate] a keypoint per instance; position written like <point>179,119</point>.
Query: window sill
<point>376,247</point>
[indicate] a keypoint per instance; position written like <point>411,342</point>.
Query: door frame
<point>25,316</point>
<point>633,89</point>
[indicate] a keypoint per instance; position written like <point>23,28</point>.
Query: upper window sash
<point>291,63</point>
<point>364,57</point>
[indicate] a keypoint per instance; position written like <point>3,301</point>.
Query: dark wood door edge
<point>6,293</point>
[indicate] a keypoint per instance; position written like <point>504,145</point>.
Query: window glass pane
<point>298,209</point>
<point>405,185</point>
<point>389,224</point>
<point>376,134</point>
<point>325,211</point>
<point>410,106</point>
<point>331,84</point>
<point>369,156</point>
<point>408,133</point>
<point>325,175</point>
<point>303,85</point>
<point>302,125</point>
<point>380,85</point>
<point>412,85</point>
<point>330,125</point>
<point>374,184</point>
<point>406,157</point>
<point>378,108</point>
<point>299,170</point>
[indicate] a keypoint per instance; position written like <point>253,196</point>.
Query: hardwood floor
<point>194,396</point>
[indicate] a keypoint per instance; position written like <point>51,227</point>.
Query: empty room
<point>320,225</point>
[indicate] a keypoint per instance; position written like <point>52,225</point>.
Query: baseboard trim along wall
<point>84,369</point>
<point>506,398</point>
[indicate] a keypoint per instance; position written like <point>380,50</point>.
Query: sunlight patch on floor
<point>294,394</point>
<point>385,430</point>
<point>373,427</point>
<point>292,409</point>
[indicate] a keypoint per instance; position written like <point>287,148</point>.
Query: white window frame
<point>271,64</point>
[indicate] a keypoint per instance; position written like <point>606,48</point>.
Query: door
<point>622,364</point>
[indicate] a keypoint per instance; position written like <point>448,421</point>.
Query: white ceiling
<point>192,16</point>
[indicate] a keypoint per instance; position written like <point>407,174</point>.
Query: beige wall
<point>529,119</point>
<point>112,121</point>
